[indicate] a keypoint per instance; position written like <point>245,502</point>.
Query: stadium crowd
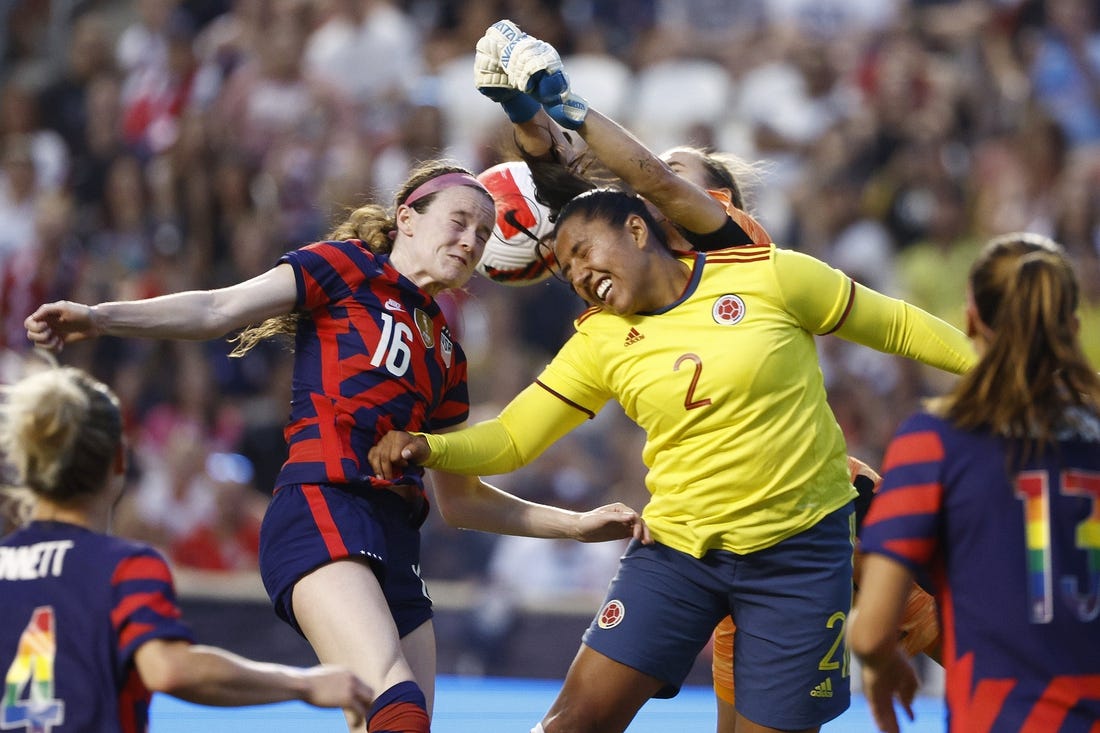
<point>162,145</point>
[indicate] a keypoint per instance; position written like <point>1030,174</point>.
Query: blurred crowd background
<point>151,146</point>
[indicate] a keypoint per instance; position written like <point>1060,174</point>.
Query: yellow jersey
<point>742,448</point>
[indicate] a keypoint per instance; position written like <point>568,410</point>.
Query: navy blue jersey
<point>75,607</point>
<point>373,353</point>
<point>1014,559</point>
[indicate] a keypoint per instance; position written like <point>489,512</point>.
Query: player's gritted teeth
<point>603,287</point>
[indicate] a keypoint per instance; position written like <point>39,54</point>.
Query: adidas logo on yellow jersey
<point>633,337</point>
<point>825,689</point>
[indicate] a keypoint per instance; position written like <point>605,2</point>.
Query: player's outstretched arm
<point>533,69</point>
<point>872,637</point>
<point>887,679</point>
<point>467,502</point>
<point>679,199</point>
<point>196,314</point>
<point>213,676</point>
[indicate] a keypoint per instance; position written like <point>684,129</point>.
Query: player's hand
<point>882,682</point>
<point>395,451</point>
<point>866,480</point>
<point>612,522</point>
<point>329,686</point>
<point>491,79</point>
<point>55,324</point>
<point>488,72</point>
<point>570,112</point>
<point>857,467</point>
<point>533,67</point>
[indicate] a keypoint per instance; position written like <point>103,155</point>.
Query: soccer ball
<point>511,255</point>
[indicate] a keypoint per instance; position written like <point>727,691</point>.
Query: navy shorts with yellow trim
<point>309,525</point>
<point>790,603</point>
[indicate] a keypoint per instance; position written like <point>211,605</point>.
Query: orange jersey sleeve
<point>919,626</point>
<point>743,219</point>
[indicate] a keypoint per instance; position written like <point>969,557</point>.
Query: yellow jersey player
<point>713,356</point>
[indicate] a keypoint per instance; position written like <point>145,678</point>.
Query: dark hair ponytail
<point>1034,369</point>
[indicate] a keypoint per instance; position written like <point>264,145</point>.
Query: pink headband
<point>441,182</point>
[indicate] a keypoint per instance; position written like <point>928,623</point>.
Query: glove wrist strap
<point>520,108</point>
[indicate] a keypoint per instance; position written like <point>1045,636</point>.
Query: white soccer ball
<point>511,255</point>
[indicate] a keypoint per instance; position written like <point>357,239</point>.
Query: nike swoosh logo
<point>511,219</point>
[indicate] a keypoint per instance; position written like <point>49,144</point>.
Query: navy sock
<point>400,709</point>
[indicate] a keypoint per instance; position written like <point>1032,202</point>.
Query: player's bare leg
<point>727,717</point>
<point>342,612</point>
<point>599,694</point>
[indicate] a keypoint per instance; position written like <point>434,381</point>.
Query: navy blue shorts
<point>309,525</point>
<point>790,603</point>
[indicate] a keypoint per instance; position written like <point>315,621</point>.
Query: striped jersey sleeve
<point>145,605</point>
<point>330,271</point>
<point>904,520</point>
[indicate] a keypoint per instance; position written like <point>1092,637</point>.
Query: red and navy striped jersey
<point>76,605</point>
<point>1014,560</point>
<point>373,353</point>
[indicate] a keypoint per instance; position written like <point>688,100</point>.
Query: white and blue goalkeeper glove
<point>570,111</point>
<point>491,79</point>
<point>531,66</point>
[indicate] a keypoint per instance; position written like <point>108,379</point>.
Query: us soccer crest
<point>446,347</point>
<point>424,325</point>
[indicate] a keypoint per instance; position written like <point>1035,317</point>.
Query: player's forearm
<point>540,520</point>
<point>680,200</point>
<point>873,644</point>
<point>212,676</point>
<point>201,314</point>
<point>187,315</point>
<point>526,427</point>
<point>873,628</point>
<point>223,678</point>
<point>897,327</point>
<point>533,136</point>
<point>469,503</point>
<point>484,448</point>
<point>628,158</point>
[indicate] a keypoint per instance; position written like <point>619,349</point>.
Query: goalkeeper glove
<point>535,67</point>
<point>531,66</point>
<point>570,112</point>
<point>491,79</point>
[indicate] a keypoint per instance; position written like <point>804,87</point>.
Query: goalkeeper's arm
<point>530,424</point>
<point>679,199</point>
